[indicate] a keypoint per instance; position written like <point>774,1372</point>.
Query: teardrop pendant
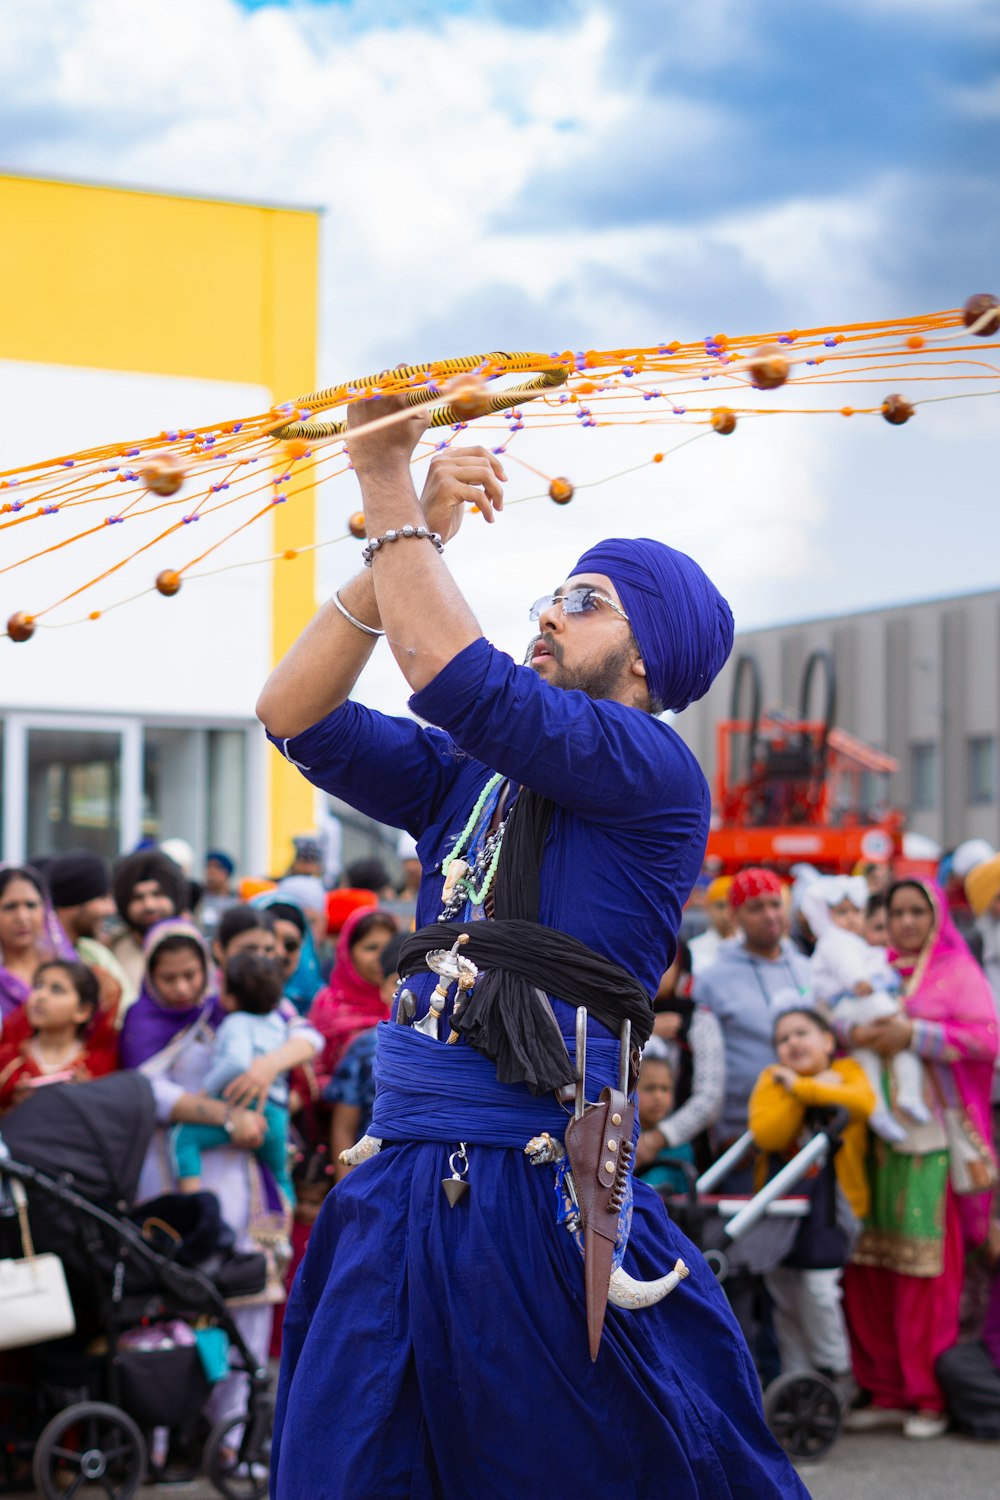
<point>456,1186</point>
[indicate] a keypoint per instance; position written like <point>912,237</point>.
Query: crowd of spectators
<point>252,1006</point>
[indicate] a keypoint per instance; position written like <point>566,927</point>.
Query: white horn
<point>625,1291</point>
<point>369,1145</point>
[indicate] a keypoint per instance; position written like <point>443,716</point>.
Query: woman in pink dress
<point>902,1290</point>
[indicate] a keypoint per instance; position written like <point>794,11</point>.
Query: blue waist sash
<point>427,1091</point>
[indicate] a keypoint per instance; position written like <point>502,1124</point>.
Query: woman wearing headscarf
<point>353,1000</point>
<point>931,1191</point>
<point>29,934</point>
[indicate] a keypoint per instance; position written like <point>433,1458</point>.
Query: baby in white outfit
<point>857,981</point>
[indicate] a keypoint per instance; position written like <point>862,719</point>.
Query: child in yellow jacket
<point>808,1318</point>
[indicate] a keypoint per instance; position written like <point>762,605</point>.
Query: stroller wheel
<point>238,1452</point>
<point>803,1412</point>
<point>718,1263</point>
<point>90,1448</point>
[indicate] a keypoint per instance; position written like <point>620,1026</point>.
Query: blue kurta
<point>439,1352</point>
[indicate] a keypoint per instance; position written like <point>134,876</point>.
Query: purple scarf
<point>149,1025</point>
<point>53,943</point>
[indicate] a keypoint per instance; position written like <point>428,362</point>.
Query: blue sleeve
<point>231,1055</point>
<point>592,756</point>
<point>352,1082</point>
<point>392,769</point>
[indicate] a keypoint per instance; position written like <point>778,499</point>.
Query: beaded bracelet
<point>394,536</point>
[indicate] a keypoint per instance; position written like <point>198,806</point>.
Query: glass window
<point>194,787</point>
<point>923,777</point>
<point>74,791</point>
<point>227,790</point>
<point>982,769</point>
<point>173,785</point>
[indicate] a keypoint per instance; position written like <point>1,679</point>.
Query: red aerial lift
<point>792,790</point>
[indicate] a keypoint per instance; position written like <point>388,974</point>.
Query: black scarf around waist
<point>507,1016</point>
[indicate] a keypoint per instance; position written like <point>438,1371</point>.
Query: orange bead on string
<point>768,368</point>
<point>723,421</point>
<point>20,627</point>
<point>356,525</point>
<point>896,410</point>
<point>561,491</point>
<point>163,473</point>
<point>468,396</point>
<point>168,583</point>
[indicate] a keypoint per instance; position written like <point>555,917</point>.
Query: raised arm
<point>319,672</point>
<point>427,621</point>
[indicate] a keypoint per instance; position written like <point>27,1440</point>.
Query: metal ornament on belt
<point>450,967</point>
<point>596,1183</point>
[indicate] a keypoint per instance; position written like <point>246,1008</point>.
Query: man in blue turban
<point>444,1336</point>
<point>681,626</point>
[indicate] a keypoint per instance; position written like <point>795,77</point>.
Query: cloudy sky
<point>575,173</point>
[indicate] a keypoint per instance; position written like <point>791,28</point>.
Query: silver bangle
<point>368,629</point>
<point>396,535</point>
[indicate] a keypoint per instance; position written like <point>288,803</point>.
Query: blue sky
<point>589,174</point>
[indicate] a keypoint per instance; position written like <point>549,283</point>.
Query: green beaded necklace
<point>476,897</point>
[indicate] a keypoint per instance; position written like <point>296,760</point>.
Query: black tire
<point>238,1452</point>
<point>803,1412</point>
<point>90,1448</point>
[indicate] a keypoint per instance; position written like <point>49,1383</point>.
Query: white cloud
<point>417,141</point>
<point>979,102</point>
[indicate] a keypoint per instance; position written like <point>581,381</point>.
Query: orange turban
<point>982,885</point>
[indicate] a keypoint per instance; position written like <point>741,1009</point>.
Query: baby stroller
<point>743,1237</point>
<point>71,1155</point>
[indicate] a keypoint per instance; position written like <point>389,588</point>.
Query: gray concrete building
<point>920,681</point>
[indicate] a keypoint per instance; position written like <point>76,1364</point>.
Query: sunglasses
<point>575,602</point>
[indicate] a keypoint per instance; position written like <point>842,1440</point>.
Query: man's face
<point>258,940</point>
<point>591,650</point>
<point>216,878</point>
<point>721,917</point>
<point>762,919</point>
<point>149,904</point>
<point>91,915</point>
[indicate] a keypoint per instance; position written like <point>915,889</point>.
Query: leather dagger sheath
<point>599,1147</point>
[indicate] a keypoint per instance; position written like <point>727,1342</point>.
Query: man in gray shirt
<point>748,986</point>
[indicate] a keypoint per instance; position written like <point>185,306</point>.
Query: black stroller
<point>94,1397</point>
<point>743,1237</point>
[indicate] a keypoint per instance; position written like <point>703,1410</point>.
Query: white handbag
<point>34,1297</point>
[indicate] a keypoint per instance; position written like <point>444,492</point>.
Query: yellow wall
<point>114,279</point>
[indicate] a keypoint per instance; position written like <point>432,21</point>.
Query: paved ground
<point>877,1466</point>
<point>869,1467</point>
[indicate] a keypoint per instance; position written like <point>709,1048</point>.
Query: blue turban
<point>683,626</point>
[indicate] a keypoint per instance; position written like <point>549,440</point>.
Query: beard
<point>597,679</point>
